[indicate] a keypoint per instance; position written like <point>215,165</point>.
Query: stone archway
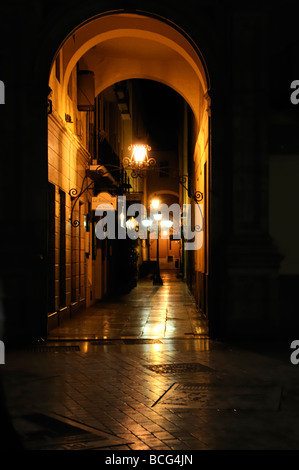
<point>137,46</point>
<point>118,47</point>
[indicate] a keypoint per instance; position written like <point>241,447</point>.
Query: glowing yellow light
<point>155,203</point>
<point>139,153</point>
<point>131,223</point>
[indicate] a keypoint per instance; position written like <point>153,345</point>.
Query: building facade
<point>233,70</point>
<point>86,134</point>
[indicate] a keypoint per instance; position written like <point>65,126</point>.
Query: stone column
<point>252,260</point>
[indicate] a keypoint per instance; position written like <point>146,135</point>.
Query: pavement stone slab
<point>169,390</point>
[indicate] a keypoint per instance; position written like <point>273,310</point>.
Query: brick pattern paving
<point>110,388</point>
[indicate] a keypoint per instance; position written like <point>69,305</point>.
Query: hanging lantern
<point>139,160</point>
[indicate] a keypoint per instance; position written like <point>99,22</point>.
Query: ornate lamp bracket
<point>75,195</point>
<point>139,162</point>
<point>185,181</point>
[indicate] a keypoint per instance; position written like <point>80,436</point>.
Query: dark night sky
<point>161,107</point>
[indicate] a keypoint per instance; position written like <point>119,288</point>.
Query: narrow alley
<point>149,256</point>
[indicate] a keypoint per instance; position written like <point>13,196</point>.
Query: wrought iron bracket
<point>186,182</point>
<point>139,170</point>
<point>197,196</point>
<point>100,171</point>
<point>75,195</point>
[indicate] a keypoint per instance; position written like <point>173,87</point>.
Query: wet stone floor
<point>148,311</point>
<point>142,374</point>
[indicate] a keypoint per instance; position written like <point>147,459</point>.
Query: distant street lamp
<point>147,224</point>
<point>157,280</point>
<point>132,224</point>
<point>166,223</point>
<point>155,203</point>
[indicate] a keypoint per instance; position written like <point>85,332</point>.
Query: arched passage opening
<point>93,76</point>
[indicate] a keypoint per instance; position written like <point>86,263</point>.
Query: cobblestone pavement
<point>151,392</point>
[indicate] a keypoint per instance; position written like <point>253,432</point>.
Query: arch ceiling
<point>123,46</point>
